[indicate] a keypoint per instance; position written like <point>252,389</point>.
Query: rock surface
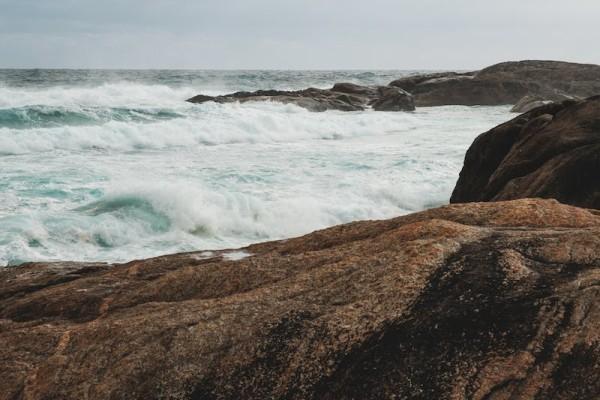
<point>504,83</point>
<point>469,301</point>
<point>551,152</point>
<point>528,103</point>
<point>342,97</point>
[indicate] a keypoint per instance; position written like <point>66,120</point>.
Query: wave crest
<point>40,116</point>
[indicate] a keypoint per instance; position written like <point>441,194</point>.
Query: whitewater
<point>115,165</point>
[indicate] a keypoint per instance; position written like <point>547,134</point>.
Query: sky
<point>295,34</point>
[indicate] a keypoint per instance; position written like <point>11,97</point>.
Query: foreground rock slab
<point>552,151</point>
<point>504,83</point>
<point>469,301</point>
<point>342,97</point>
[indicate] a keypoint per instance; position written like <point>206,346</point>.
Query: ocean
<point>115,165</point>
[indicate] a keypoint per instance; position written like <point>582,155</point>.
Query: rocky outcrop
<point>552,151</point>
<point>411,82</point>
<point>342,97</point>
<point>469,301</point>
<point>504,83</point>
<point>528,103</point>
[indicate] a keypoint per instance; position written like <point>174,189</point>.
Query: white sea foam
<point>106,95</point>
<point>183,177</point>
<point>211,124</point>
<point>236,255</point>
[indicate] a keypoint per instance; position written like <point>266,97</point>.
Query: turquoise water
<point>115,165</point>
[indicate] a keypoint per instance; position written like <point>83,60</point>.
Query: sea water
<point>115,165</point>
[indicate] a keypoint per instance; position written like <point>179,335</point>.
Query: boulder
<point>577,79</point>
<point>409,83</point>
<point>341,97</point>
<point>469,301</point>
<point>392,99</point>
<point>552,151</point>
<point>504,83</point>
<point>528,103</point>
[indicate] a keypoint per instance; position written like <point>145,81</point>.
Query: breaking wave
<point>121,170</point>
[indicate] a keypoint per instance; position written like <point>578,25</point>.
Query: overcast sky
<point>295,34</point>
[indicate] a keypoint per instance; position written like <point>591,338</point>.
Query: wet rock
<point>504,83</point>
<point>409,83</point>
<point>342,97</point>
<point>468,301</point>
<point>392,99</point>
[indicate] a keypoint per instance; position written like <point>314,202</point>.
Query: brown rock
<point>504,83</point>
<point>409,83</point>
<point>528,103</point>
<point>552,152</point>
<point>342,97</point>
<point>469,301</point>
<point>392,99</point>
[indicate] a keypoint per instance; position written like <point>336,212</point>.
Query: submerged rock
<point>552,151</point>
<point>469,301</point>
<point>504,83</point>
<point>342,97</point>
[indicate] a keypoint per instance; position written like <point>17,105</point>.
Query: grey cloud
<point>300,34</point>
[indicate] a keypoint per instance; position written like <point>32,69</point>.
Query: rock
<point>504,83</point>
<point>576,79</point>
<point>351,88</point>
<point>468,301</point>
<point>342,97</point>
<point>528,103</point>
<point>392,99</point>
<point>552,151</point>
<point>470,92</point>
<point>200,99</point>
<point>409,83</point>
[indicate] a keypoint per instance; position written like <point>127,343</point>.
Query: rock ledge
<point>468,301</point>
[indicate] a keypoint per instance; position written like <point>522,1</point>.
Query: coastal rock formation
<point>504,83</point>
<point>552,151</point>
<point>342,97</point>
<point>528,103</point>
<point>469,301</point>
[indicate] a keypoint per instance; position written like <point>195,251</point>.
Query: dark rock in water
<point>504,83</point>
<point>342,97</point>
<point>552,151</point>
<point>574,78</point>
<point>351,88</point>
<point>410,83</point>
<point>200,99</point>
<point>470,91</point>
<point>469,301</point>
<point>392,99</point>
